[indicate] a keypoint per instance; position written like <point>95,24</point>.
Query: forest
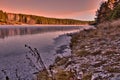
<point>11,18</point>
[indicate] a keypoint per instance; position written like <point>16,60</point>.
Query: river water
<point>13,52</point>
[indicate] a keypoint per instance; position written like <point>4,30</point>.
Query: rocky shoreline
<point>97,51</point>
<point>95,55</point>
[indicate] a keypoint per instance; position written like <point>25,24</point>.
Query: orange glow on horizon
<point>44,10</point>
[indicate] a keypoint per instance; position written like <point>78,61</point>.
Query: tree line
<point>33,19</point>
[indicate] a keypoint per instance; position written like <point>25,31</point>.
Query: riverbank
<point>95,55</point>
<point>97,52</point>
<point>17,59</point>
<point>63,56</point>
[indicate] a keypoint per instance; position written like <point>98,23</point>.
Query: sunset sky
<point>75,9</point>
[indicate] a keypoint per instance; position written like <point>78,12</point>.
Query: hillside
<point>11,18</point>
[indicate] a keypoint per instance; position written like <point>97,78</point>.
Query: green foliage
<point>103,13</point>
<point>116,12</point>
<point>106,13</point>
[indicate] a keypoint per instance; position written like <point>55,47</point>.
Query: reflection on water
<point>10,31</point>
<point>12,50</point>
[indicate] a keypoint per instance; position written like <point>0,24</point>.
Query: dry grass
<point>61,61</point>
<point>87,76</point>
<point>99,64</point>
<point>43,75</point>
<point>64,75</point>
<point>60,75</point>
<point>111,69</point>
<point>82,53</point>
<point>110,53</point>
<point>96,52</point>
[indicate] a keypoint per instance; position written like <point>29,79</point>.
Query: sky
<point>73,9</point>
